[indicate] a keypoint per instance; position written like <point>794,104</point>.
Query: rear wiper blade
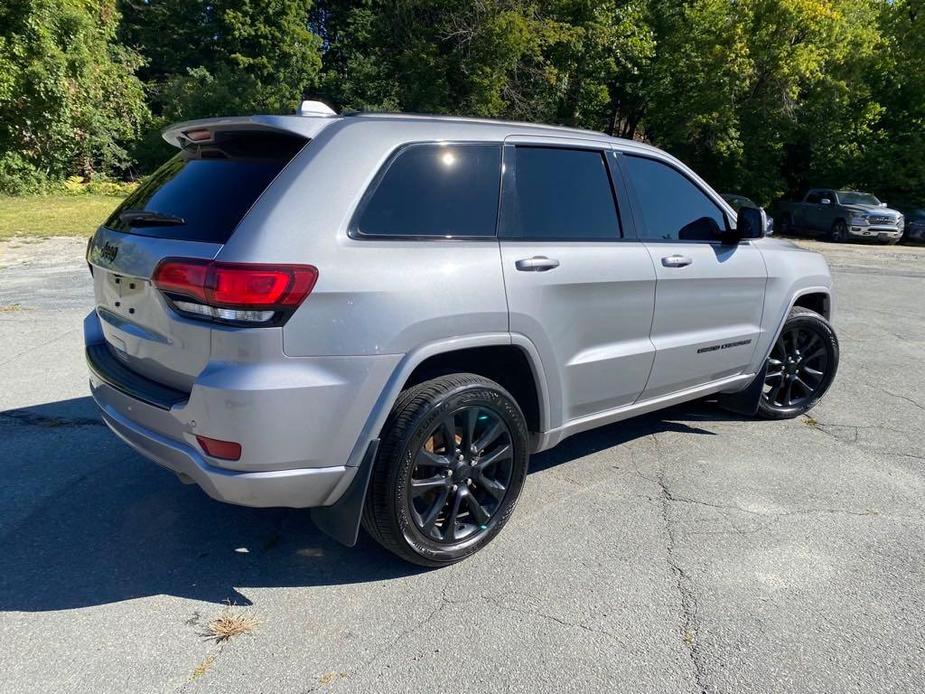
<point>141,218</point>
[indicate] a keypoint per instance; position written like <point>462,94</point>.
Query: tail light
<point>237,293</point>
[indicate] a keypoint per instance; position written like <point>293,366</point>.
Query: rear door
<point>188,208</point>
<point>579,285</point>
<point>709,295</point>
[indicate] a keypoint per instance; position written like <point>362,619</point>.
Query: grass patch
<point>231,623</point>
<point>203,667</point>
<point>12,308</point>
<point>54,215</point>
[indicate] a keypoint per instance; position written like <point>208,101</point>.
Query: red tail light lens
<point>245,287</point>
<point>226,450</point>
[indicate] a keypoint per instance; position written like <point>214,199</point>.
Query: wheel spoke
<point>448,426</point>
<point>775,376</point>
<point>429,459</point>
<point>804,385</point>
<point>788,393</point>
<point>502,453</point>
<point>449,525</point>
<point>775,392</point>
<point>490,436</point>
<point>493,487</point>
<point>472,417</point>
<point>480,515</point>
<point>812,372</point>
<point>429,520</point>
<point>419,487</point>
<point>811,342</point>
<point>815,355</point>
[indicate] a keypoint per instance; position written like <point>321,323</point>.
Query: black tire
<point>805,359</point>
<point>839,231</point>
<point>414,439</point>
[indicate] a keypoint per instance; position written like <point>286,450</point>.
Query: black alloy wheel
<point>801,366</point>
<point>451,465</point>
<point>461,475</point>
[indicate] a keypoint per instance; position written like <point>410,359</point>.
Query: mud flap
<point>341,520</point>
<point>745,401</point>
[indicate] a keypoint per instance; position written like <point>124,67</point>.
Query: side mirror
<point>751,223</point>
<point>882,204</point>
<point>826,201</point>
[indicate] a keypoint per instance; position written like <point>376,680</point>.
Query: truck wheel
<point>839,232</point>
<point>451,465</point>
<point>801,367</point>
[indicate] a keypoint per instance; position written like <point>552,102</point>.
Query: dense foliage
<point>764,97</point>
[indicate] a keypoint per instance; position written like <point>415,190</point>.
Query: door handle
<point>538,263</point>
<point>676,261</point>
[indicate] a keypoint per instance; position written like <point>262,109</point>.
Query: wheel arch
<point>509,365</point>
<point>818,301</point>
<point>441,353</point>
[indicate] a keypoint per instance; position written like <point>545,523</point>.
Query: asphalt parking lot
<point>684,551</point>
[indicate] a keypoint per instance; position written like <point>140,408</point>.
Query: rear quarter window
<point>209,187</point>
<point>434,190</point>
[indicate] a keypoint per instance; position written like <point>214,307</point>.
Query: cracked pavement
<point>685,551</point>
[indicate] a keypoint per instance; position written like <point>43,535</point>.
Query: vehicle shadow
<point>86,521</point>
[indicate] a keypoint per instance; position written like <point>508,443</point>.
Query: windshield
<point>204,191</point>
<point>848,198</point>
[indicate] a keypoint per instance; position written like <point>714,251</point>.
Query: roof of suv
<point>309,126</point>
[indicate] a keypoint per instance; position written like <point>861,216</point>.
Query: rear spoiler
<point>179,134</point>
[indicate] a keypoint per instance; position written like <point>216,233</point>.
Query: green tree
<point>69,99</point>
<point>222,57</point>
<point>890,159</point>
<point>754,94</point>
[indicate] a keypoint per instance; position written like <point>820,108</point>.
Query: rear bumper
<point>301,422</point>
<point>292,488</point>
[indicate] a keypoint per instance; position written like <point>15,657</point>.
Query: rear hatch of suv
<point>172,226</point>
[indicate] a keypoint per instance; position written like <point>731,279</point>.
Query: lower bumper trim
<point>299,488</point>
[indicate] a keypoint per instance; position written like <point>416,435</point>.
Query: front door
<point>709,294</point>
<point>578,286</point>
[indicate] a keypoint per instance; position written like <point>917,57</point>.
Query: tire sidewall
<point>483,395</point>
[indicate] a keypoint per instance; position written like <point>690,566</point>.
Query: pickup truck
<point>840,215</point>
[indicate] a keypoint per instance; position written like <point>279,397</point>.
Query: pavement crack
<point>689,625</point>
<point>534,611</point>
<point>906,398</point>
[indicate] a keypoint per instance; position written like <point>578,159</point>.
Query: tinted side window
<point>436,190</point>
<point>560,194</point>
<point>814,198</point>
<point>672,206</point>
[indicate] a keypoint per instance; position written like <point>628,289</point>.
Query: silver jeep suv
<point>380,317</point>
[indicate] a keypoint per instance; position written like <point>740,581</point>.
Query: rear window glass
<point>436,190</point>
<point>204,191</point>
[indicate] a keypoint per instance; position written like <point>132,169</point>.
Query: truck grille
<point>881,220</point>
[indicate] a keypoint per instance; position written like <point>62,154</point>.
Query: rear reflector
<point>226,450</point>
<point>253,290</point>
